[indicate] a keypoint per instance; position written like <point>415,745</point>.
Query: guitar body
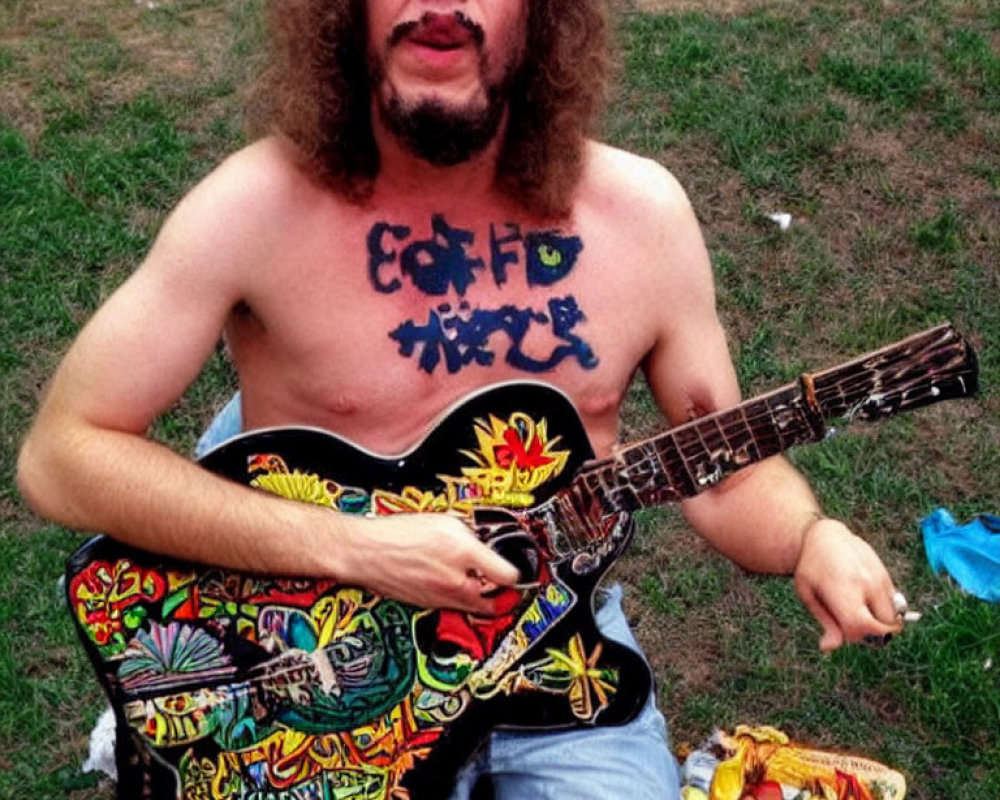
<point>230,685</point>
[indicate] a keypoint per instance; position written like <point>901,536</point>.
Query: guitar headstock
<point>926,368</point>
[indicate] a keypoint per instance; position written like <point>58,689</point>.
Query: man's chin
<point>459,96</point>
<point>439,133</point>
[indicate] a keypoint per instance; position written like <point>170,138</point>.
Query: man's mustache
<point>432,18</point>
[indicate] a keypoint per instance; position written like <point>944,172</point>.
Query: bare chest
<point>374,332</point>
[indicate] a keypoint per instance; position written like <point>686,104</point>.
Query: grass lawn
<point>875,125</point>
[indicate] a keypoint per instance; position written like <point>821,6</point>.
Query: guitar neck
<point>691,458</point>
<point>935,365</point>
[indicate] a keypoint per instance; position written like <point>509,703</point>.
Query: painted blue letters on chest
<point>447,262</point>
<point>462,338</point>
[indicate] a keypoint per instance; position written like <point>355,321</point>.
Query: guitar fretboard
<point>931,366</point>
<point>684,461</point>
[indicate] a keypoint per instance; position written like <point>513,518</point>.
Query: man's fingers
<point>864,623</point>
<point>483,562</point>
<point>831,639</point>
<point>487,599</point>
<point>832,636</point>
<point>494,569</point>
<point>437,561</point>
<point>847,588</point>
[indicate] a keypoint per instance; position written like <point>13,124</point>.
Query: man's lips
<point>439,31</point>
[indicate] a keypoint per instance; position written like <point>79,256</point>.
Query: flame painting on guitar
<point>228,685</point>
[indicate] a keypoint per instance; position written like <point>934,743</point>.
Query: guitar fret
<point>626,474</point>
<point>668,489</point>
<point>636,477</point>
<point>771,438</point>
<point>782,418</point>
<point>599,483</point>
<point>710,452</point>
<point>726,441</point>
<point>737,435</point>
<point>790,422</point>
<point>583,507</point>
<point>627,477</point>
<point>655,487</point>
<point>753,447</point>
<point>690,450</point>
<point>682,477</point>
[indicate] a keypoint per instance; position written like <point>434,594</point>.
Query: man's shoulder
<point>635,200</point>
<point>266,169</point>
<point>252,196</point>
<point>626,183</point>
<point>637,205</point>
<point>243,213</point>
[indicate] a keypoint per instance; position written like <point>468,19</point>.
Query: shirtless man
<point>300,252</point>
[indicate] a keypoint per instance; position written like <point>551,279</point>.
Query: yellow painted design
<point>588,690</point>
<point>299,486</point>
<point>514,457</point>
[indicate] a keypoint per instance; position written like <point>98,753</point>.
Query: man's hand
<point>430,560</point>
<point>844,585</point>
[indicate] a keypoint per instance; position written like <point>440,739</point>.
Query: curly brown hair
<point>315,90</point>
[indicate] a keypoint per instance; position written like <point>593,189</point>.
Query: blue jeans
<point>628,762</point>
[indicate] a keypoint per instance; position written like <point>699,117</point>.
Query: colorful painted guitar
<point>229,685</point>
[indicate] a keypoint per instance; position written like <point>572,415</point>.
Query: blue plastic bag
<point>970,553</point>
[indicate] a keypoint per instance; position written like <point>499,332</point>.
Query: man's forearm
<point>141,493</point>
<point>757,517</point>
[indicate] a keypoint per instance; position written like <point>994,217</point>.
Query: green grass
<point>877,126</point>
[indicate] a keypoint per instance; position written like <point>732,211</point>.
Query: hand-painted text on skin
<point>456,334</point>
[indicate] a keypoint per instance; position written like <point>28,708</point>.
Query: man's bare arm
<point>87,464</point>
<point>765,518</point>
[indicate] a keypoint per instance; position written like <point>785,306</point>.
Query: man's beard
<point>442,135</point>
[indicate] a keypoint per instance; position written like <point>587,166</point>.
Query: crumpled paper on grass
<point>970,553</point>
<point>102,747</point>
